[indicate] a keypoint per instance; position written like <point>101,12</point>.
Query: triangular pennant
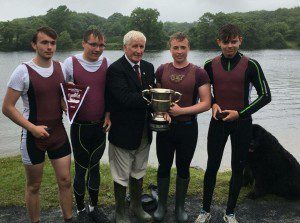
<point>73,96</point>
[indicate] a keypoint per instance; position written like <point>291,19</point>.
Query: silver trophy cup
<point>160,100</point>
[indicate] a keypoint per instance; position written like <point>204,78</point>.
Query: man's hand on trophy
<point>175,110</point>
<point>167,117</point>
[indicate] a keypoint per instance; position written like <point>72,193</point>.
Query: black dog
<point>274,170</point>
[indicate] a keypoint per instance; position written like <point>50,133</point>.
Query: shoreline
<point>17,154</point>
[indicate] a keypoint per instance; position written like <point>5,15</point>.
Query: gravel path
<point>249,211</point>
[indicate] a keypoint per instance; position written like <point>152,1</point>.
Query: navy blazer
<point>125,102</point>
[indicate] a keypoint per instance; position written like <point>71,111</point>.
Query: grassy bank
<point>13,180</point>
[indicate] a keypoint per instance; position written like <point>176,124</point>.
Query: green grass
<point>12,182</point>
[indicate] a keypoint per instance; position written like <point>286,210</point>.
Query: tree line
<point>277,29</point>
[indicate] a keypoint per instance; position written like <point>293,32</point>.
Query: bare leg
<point>62,171</point>
<point>34,174</point>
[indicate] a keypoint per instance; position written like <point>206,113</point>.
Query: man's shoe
<point>203,217</point>
<point>82,216</point>
<point>97,215</point>
<point>230,218</point>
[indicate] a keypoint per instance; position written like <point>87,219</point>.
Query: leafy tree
<point>252,35</point>
<point>80,22</point>
<point>206,32</point>
<point>7,32</point>
<point>297,33</point>
<point>64,41</point>
<point>116,25</point>
<point>146,21</point>
<point>58,18</point>
<point>276,27</point>
<point>34,22</point>
<point>260,29</point>
<point>276,41</point>
<point>25,39</point>
<point>192,33</point>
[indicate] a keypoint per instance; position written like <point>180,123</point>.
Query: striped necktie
<point>136,69</point>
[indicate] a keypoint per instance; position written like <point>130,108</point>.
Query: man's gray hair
<point>133,35</point>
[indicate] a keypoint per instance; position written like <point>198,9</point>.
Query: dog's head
<point>253,146</point>
<point>261,139</point>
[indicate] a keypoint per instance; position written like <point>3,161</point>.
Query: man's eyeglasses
<point>94,45</point>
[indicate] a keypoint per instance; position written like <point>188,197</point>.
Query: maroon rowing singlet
<point>229,85</point>
<point>92,108</point>
<point>44,96</point>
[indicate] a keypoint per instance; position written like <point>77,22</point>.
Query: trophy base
<point>159,126</point>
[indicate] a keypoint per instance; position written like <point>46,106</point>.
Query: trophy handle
<point>144,92</point>
<point>177,94</point>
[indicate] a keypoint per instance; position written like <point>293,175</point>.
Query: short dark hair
<point>94,32</point>
<point>46,30</point>
<point>229,31</point>
<point>180,36</point>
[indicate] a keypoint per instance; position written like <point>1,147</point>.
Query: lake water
<point>281,117</point>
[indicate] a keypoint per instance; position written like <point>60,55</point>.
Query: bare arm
<point>9,109</point>
<point>202,106</point>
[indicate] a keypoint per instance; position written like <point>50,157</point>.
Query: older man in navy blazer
<point>130,136</point>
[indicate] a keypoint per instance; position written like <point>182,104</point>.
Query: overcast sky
<point>170,10</point>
